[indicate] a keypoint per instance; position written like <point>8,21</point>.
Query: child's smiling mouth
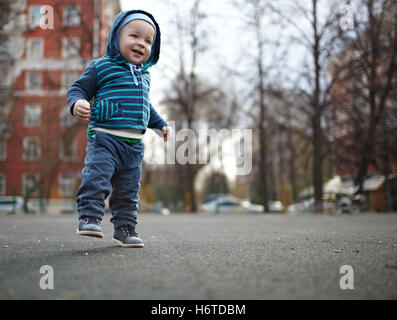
<point>138,52</point>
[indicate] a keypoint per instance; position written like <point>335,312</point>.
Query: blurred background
<point>314,80</point>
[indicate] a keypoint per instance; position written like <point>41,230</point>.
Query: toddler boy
<point>118,119</point>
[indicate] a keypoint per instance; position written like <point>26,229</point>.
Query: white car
<point>230,204</point>
<point>275,206</point>
<point>11,204</point>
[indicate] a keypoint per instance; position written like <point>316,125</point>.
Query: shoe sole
<point>94,234</point>
<point>126,245</point>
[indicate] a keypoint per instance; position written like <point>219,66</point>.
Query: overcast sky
<point>229,40</point>
<point>220,41</point>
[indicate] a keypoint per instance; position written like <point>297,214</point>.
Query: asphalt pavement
<point>204,256</point>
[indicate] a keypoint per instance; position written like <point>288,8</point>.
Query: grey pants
<point>111,167</point>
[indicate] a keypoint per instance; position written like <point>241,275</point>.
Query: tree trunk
<point>316,120</point>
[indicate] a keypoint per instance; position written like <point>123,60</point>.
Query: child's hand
<point>82,110</point>
<point>166,132</point>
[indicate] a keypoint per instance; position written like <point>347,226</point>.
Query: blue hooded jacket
<point>121,90</point>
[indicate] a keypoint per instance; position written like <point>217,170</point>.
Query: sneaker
<point>125,236</point>
<point>90,226</point>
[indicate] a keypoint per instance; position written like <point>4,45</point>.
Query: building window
<point>33,80</point>
<point>67,120</point>
<point>31,149</point>
<point>32,116</point>
<point>4,46</point>
<point>30,182</point>
<point>2,184</point>
<point>70,47</point>
<point>3,150</point>
<point>67,149</point>
<point>68,78</point>
<point>67,185</point>
<point>35,15</point>
<point>4,79</point>
<point>35,48</point>
<point>71,16</point>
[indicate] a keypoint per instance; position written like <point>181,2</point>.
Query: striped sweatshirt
<point>121,90</point>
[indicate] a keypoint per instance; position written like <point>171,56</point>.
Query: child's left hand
<point>166,132</point>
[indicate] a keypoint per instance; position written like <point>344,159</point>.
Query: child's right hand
<point>82,110</point>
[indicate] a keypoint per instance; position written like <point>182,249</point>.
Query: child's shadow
<point>111,250</point>
<point>101,253</point>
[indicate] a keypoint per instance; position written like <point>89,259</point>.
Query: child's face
<point>135,41</point>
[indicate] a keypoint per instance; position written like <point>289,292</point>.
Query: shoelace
<point>91,220</point>
<point>128,231</point>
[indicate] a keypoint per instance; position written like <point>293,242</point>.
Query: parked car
<point>214,196</point>
<point>304,206</point>
<point>228,203</point>
<point>275,206</point>
<point>11,204</point>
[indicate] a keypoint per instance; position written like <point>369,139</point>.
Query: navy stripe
<point>128,118</point>
<point>114,84</point>
<point>137,105</point>
<point>112,74</point>
<point>127,97</point>
<point>106,62</point>
<point>113,67</point>
<point>119,90</point>
<point>122,125</point>
<point>126,77</point>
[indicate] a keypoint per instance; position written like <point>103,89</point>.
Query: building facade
<point>365,109</point>
<point>42,146</point>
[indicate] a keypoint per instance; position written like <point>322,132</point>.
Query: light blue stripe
<point>128,118</point>
<point>111,60</point>
<point>112,67</point>
<point>112,74</point>
<point>121,90</point>
<point>132,104</point>
<point>106,62</point>
<point>125,97</point>
<point>127,77</point>
<point>136,105</point>
<point>118,90</point>
<point>112,84</point>
<point>121,126</point>
<point>132,111</point>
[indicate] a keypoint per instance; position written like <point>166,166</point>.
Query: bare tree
<point>369,67</point>
<point>192,100</point>
<point>316,34</point>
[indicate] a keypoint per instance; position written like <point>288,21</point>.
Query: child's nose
<point>140,42</point>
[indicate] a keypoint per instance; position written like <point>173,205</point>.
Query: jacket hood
<point>113,51</point>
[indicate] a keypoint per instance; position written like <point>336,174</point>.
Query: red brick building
<point>364,110</point>
<point>360,75</point>
<point>43,151</point>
